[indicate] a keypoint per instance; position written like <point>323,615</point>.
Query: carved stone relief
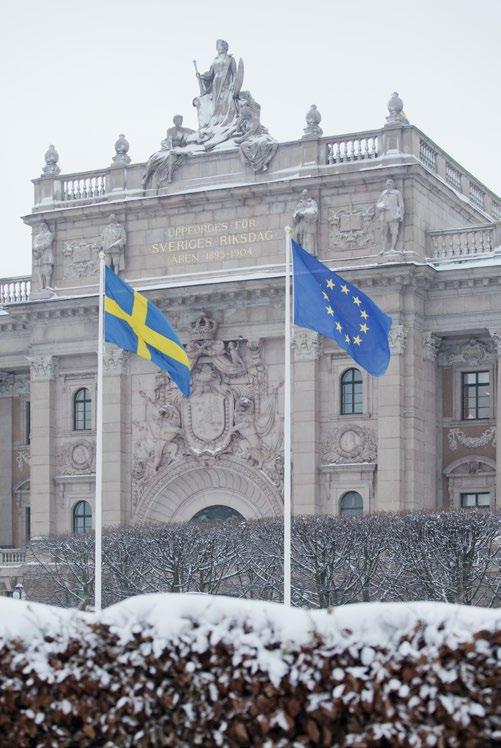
<point>349,444</point>
<point>471,353</point>
<point>6,384</point>
<point>82,258</point>
<point>114,360</point>
<point>457,437</point>
<point>22,457</point>
<point>397,339</point>
<point>76,457</point>
<point>43,366</point>
<point>231,411</point>
<point>307,345</point>
<point>431,346</point>
<point>352,228</point>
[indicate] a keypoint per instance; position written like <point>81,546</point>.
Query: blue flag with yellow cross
<point>329,304</point>
<point>135,324</point>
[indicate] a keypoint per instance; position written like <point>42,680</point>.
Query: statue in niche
<point>162,164</point>
<point>390,208</point>
<point>257,147</point>
<point>113,239</point>
<point>305,219</point>
<point>43,257</point>
<point>219,91</point>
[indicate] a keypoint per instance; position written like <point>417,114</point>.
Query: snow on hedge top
<point>169,616</point>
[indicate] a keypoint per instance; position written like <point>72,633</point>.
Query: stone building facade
<point>200,230</point>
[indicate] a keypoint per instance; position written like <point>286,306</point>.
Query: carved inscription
<point>192,244</point>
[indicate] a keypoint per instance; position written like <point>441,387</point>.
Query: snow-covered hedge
<point>187,670</point>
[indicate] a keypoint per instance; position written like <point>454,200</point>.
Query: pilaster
<point>43,436</point>
<point>496,337</point>
<point>114,487</point>
<point>6,396</point>
<point>432,468</point>
<point>391,467</point>
<point>305,423</point>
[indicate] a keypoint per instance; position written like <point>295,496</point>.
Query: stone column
<point>390,466</point>
<point>114,486</point>
<point>43,435</point>
<point>305,429</point>
<point>496,337</point>
<point>6,457</point>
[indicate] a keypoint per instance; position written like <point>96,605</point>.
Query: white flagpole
<point>287,423</point>
<point>98,518</point>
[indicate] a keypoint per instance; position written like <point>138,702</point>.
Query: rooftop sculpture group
<point>227,117</point>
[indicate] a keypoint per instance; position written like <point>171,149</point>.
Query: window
<point>479,500</point>
<point>351,392</point>
<point>216,513</point>
<point>27,421</point>
<point>82,517</point>
<point>476,395</point>
<point>81,410</point>
<point>351,503</point>
<point>27,524</point>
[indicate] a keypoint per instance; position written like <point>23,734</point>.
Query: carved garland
<point>457,437</point>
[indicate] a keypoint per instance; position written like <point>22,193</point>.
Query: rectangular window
<point>27,421</point>
<point>27,519</point>
<point>476,395</point>
<point>478,500</point>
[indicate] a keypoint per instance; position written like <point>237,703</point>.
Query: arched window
<point>81,410</point>
<point>351,392</point>
<point>82,517</point>
<point>216,513</point>
<point>351,503</point>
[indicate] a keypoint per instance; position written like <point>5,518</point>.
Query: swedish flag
<point>135,324</point>
<point>329,304</point>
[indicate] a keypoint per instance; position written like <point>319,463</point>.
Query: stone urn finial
<point>313,119</point>
<point>51,158</point>
<point>121,156</point>
<point>395,109</point>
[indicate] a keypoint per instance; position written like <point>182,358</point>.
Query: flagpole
<point>287,423</point>
<point>98,518</point>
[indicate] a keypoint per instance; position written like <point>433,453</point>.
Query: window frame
<point>86,402</point>
<point>86,515</point>
<point>350,513</point>
<point>351,385</point>
<point>465,387</point>
<point>476,494</point>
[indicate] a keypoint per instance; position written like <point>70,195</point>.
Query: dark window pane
<point>351,503</point>
<point>82,517</point>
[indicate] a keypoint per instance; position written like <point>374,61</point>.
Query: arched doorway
<point>179,492</point>
<point>216,513</point>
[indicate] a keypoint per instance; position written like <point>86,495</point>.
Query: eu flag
<point>330,305</point>
<point>135,324</point>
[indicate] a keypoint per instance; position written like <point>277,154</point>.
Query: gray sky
<point>78,74</point>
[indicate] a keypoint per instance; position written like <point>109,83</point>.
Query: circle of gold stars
<point>363,324</point>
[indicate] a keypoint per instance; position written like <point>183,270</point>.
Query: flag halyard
<point>328,304</point>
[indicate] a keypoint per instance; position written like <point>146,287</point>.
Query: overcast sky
<point>76,74</point>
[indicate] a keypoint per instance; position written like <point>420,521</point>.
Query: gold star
<point>357,340</point>
<point>325,295</point>
<point>344,288</point>
<point>347,338</point>
<point>330,310</point>
<point>356,300</point>
<point>339,326</point>
<point>363,328</point>
<point>364,314</point>
<point>330,283</point>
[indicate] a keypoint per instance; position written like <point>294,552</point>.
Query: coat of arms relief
<point>232,411</point>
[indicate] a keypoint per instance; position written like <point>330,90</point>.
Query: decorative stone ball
<point>395,104</point>
<point>313,116</point>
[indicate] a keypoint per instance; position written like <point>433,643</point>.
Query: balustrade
<point>427,155</point>
<point>453,176</point>
<point>350,149</point>
<point>15,290</point>
<point>456,244</point>
<point>12,556</point>
<point>84,188</point>
<point>477,196</point>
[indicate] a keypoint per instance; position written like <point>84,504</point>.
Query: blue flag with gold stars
<point>330,305</point>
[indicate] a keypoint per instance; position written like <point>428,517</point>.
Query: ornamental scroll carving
<point>76,457</point>
<point>349,444</point>
<point>42,367</point>
<point>232,411</point>
<point>456,437</point>
<point>473,352</point>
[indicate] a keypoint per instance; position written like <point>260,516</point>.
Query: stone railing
<point>12,556</point>
<point>341,151</point>
<point>460,244</point>
<point>15,290</point>
<point>355,147</point>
